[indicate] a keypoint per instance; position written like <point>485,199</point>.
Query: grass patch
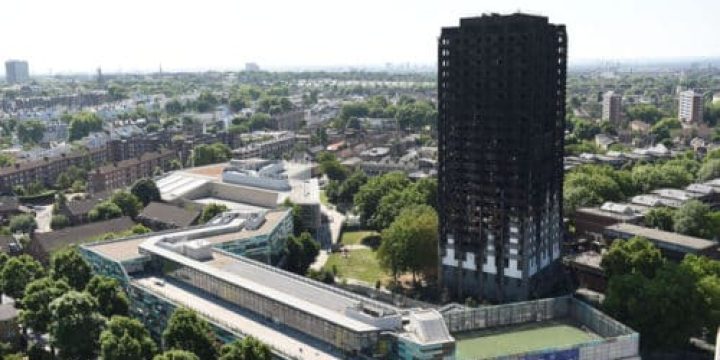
<point>359,264</point>
<point>359,238</point>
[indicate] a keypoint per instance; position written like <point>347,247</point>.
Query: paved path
<point>336,220</point>
<point>43,217</point>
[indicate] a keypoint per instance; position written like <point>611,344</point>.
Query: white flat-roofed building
<point>239,296</point>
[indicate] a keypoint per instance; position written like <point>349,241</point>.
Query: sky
<point>62,36</point>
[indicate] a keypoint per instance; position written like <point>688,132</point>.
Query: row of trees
<point>666,302</point>
<point>591,185</point>
<point>692,218</point>
<point>205,154</point>
<point>409,113</point>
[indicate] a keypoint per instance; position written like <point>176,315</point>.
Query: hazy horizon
<point>77,36</point>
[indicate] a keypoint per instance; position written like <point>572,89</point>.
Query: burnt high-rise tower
<point>501,100</point>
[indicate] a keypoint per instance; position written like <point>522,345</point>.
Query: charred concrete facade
<point>501,99</point>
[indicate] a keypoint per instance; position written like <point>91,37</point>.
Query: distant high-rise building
<point>501,103</point>
<point>252,67</point>
<point>690,107</point>
<point>612,107</point>
<point>16,71</point>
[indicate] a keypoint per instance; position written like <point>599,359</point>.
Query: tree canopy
<point>186,331</point>
<point>70,266</point>
<point>30,132</point>
<point>75,325</point>
<point>210,211</point>
<point>126,338</point>
<point>17,273</point>
<point>410,243</point>
<point>146,190</point>
<point>39,293</point>
<point>633,255</point>
<point>105,210</point>
<point>127,202</point>
<point>83,123</point>
<point>205,154</point>
<point>110,297</point>
<point>176,355</point>
<point>300,252</point>
<point>249,348</point>
<point>368,197</point>
<point>24,223</point>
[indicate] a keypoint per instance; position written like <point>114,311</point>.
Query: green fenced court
<point>488,344</point>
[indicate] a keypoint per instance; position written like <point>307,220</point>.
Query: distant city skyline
<point>77,36</point>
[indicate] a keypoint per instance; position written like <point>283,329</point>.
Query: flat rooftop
<point>301,291</point>
<point>684,241</point>
<point>318,299</point>
<point>127,249</point>
<point>283,340</point>
<point>232,205</point>
<point>520,339</point>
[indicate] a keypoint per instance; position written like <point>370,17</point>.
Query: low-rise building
<point>674,246</point>
<point>591,222</point>
<point>267,145</point>
<point>161,216</point>
<point>125,173</point>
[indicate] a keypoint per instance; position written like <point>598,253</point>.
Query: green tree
<point>211,210</point>
<point>709,170</point>
<point>24,223</point>
<point>174,107</point>
<point>70,266</point>
<point>39,293</point>
<point>110,296</point>
<point>75,325</point>
<point>83,123</point>
<point>422,192</point>
<point>204,154</point>
<point>666,309</point>
<point>186,331</point>
<point>347,189</point>
<point>146,190</point>
<point>17,273</point>
<point>368,197</point>
<point>176,355</point>
<point>30,132</point>
<point>660,218</point>
<point>127,202</point>
<point>249,348</point>
<point>59,222</point>
<point>300,252</point>
<point>410,243</point>
<point>331,166</point>
<point>237,103</point>
<point>125,339</point>
<point>644,112</point>
<point>692,219</point>
<point>635,255</point>
<point>105,210</point>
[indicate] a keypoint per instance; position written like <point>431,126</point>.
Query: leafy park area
<point>359,264</point>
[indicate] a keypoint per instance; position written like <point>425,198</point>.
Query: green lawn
<point>519,339</point>
<point>360,264</point>
<point>356,237</point>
